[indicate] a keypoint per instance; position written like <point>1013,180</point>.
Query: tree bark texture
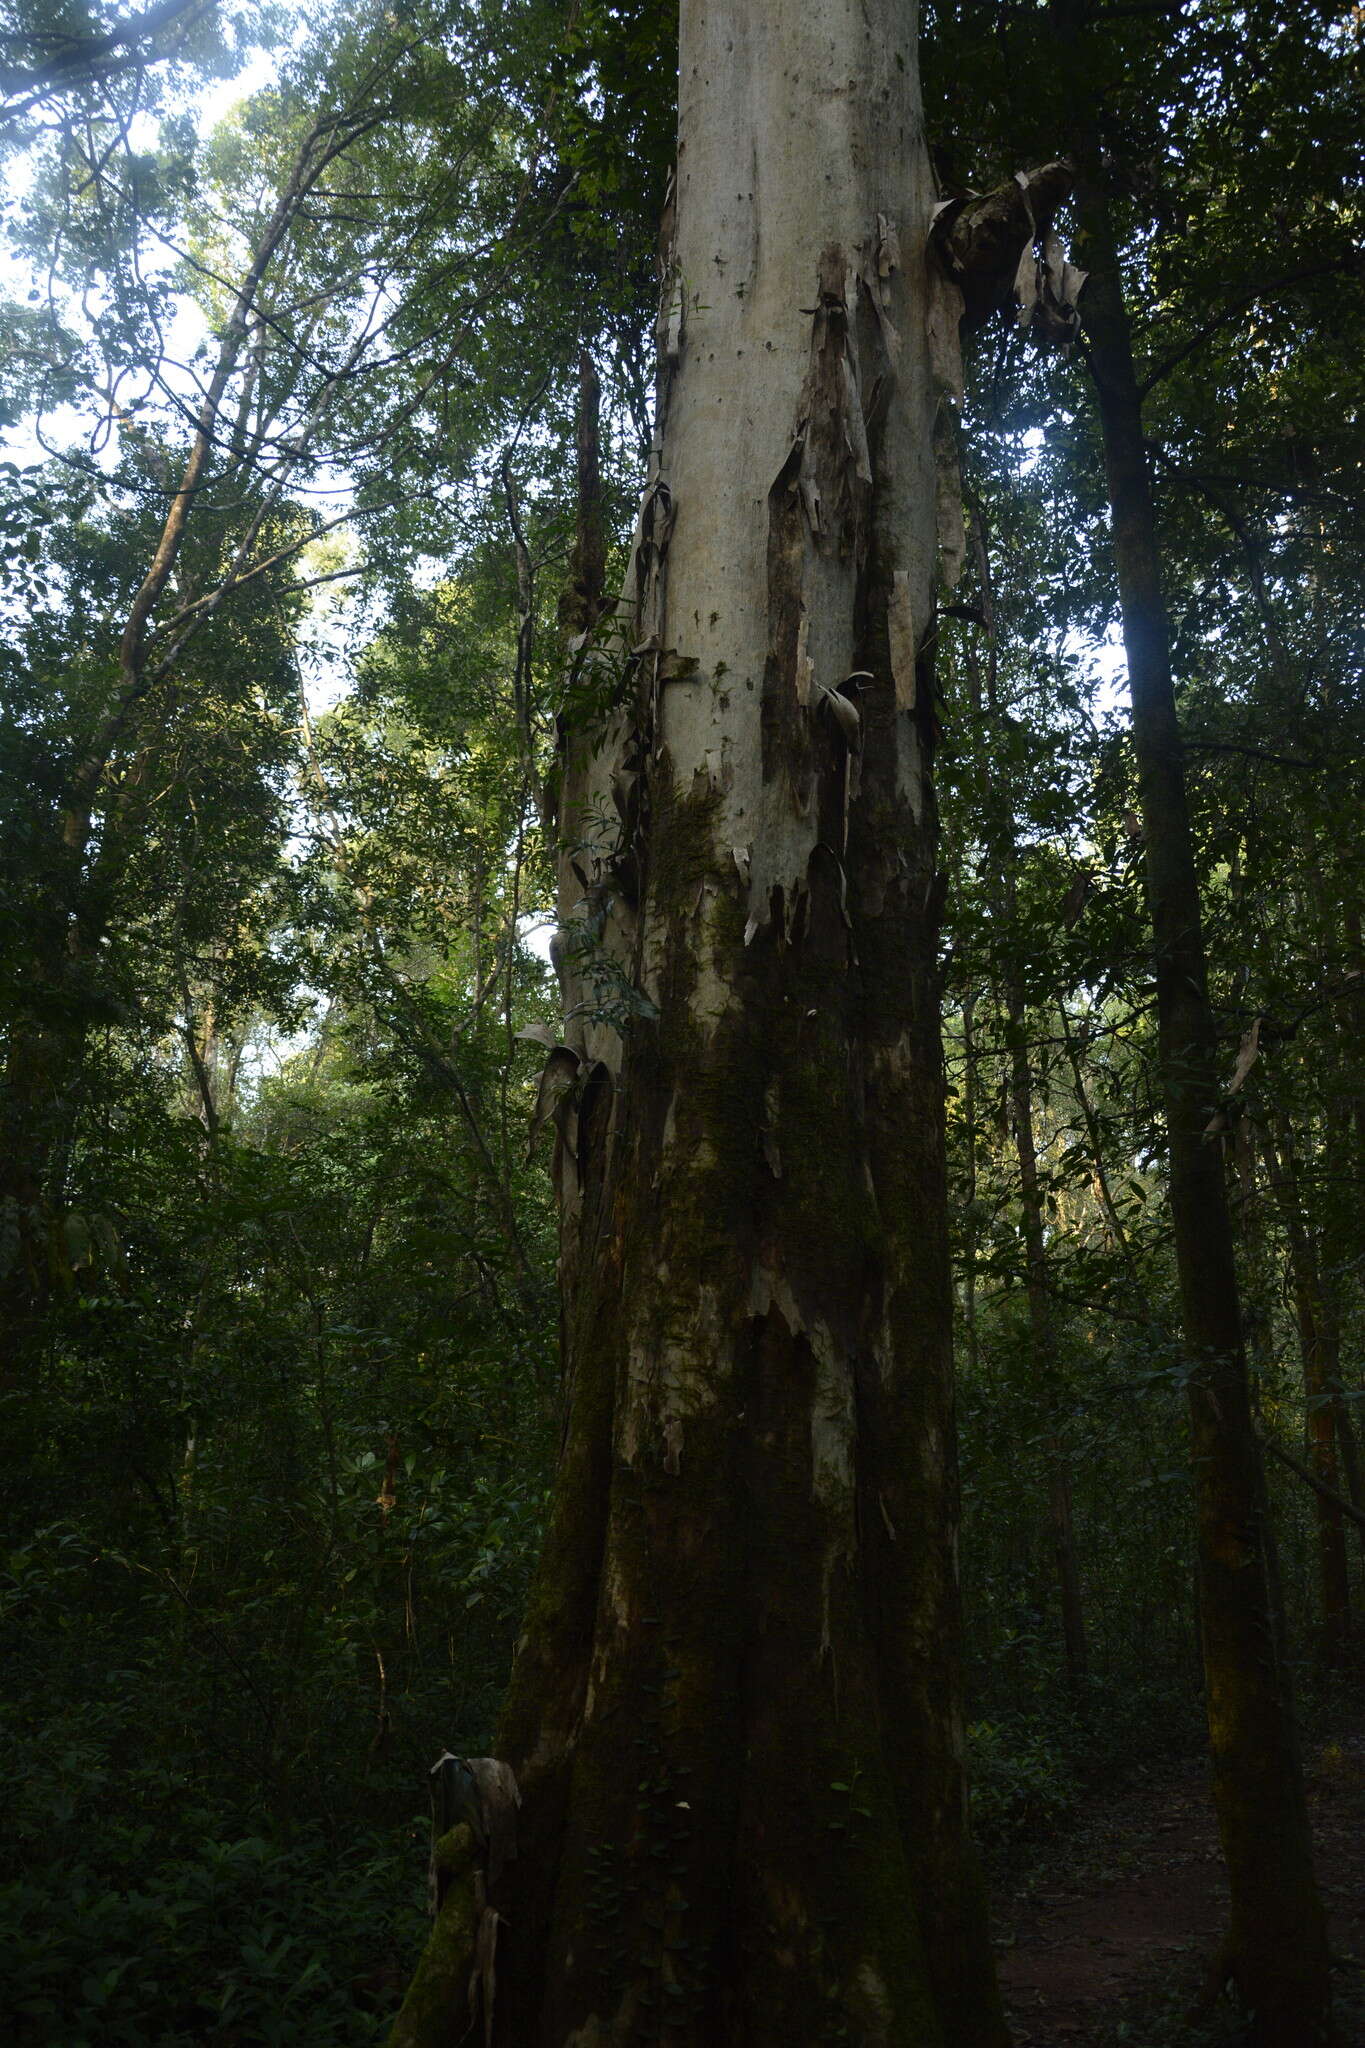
<point>734,1715</point>
<point>1276,1949</point>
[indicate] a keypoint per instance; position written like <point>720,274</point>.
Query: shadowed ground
<point>1104,1935</point>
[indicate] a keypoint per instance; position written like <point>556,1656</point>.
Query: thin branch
<point>1349,264</point>
<point>79,61</point>
<point>1202,746</point>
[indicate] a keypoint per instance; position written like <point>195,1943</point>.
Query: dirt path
<point>1111,1937</point>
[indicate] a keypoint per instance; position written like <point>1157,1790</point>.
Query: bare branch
<point>75,62</point>
<point>1347,264</point>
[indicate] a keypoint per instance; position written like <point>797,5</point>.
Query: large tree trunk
<point>734,1715</point>
<point>1276,1948</point>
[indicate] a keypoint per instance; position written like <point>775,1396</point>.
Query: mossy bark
<point>1276,1947</point>
<point>437,2006</point>
<point>734,1715</point>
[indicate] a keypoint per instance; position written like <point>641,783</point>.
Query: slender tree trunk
<point>1350,1459</point>
<point>1042,1342</point>
<point>971,1234</point>
<point>1258,1322</point>
<point>1042,1331</point>
<point>1318,1350</point>
<point>1276,1947</point>
<point>734,1715</point>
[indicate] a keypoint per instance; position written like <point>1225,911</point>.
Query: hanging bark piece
<point>945,334</point>
<point>483,1982</point>
<point>496,1803</point>
<point>556,1081</point>
<point>1247,1054</point>
<point>900,625</point>
<point>835,466</point>
<point>653,529</point>
<point>982,239</point>
<point>474,1802</point>
<point>1048,287</point>
<point>784,669</point>
<point>818,510</point>
<point>845,714</point>
<point>603,740</point>
<point>1079,891</point>
<point>479,1793</point>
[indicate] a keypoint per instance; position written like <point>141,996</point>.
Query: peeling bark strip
<point>818,508</point>
<point>734,1716</point>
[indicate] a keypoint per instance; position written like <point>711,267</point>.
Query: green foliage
<point>136,1922</point>
<point>1034,1765</point>
<point>284,1412</point>
<point>1022,1783</point>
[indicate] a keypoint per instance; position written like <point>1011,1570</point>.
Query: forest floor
<point>1105,1932</point>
